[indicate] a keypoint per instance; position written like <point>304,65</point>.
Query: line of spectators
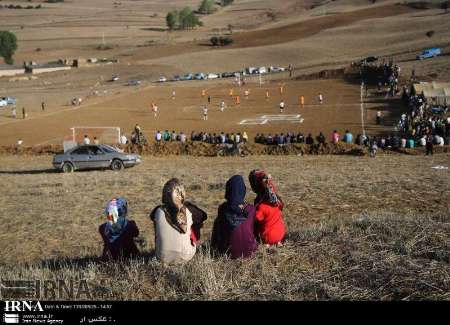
<point>213,138</point>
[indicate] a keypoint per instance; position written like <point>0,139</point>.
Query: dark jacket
<point>123,246</point>
<point>234,228</point>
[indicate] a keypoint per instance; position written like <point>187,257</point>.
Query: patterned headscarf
<point>116,214</point>
<point>173,199</point>
<point>264,187</point>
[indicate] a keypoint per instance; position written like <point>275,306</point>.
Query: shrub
<point>8,45</point>
<point>430,33</point>
<point>206,7</point>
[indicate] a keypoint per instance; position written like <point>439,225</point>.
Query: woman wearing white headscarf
<point>177,225</point>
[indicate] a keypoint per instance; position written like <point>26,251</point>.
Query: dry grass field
<point>358,228</point>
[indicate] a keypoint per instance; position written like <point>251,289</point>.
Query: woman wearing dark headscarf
<point>118,232</point>
<point>233,230</point>
<point>268,203</point>
<point>177,224</point>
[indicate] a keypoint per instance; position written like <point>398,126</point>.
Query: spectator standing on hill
<point>245,137</point>
<point>96,141</point>
<point>173,94</point>
<point>267,94</point>
<point>123,139</point>
<point>24,114</point>
<point>43,106</point>
<point>209,99</point>
<point>182,137</point>
<point>14,112</point>
<point>379,117</point>
<point>86,140</point>
<point>174,136</point>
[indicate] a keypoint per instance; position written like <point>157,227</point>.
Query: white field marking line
<point>362,110</point>
<point>281,116</point>
<point>254,121</point>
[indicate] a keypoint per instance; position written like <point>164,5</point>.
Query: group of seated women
<point>237,231</point>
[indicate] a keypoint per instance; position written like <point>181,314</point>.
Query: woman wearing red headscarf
<point>268,203</point>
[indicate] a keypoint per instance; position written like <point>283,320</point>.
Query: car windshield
<point>108,149</point>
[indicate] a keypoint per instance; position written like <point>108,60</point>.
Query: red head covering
<point>264,187</point>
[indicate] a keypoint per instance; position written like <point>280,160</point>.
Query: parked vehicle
<point>114,78</point>
<point>227,74</point>
<point>276,69</point>
<point>133,82</point>
<point>176,78</point>
<point>252,70</point>
<point>162,79</point>
<point>93,157</point>
<point>429,53</point>
<point>212,76</point>
<point>3,103</point>
<point>9,100</point>
<point>262,70</point>
<point>188,76</point>
<point>369,59</point>
<point>200,76</point>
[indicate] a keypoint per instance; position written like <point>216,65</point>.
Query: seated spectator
<point>301,138</point>
<point>233,230</point>
<point>321,138</point>
<point>158,136</point>
<point>166,135</point>
<point>182,137</point>
<point>268,204</point>
<point>177,225</point>
<point>335,137</point>
<point>309,139</point>
<point>403,143</point>
<point>423,141</point>
<point>348,137</point>
<point>410,143</point>
<point>118,232</point>
<point>174,136</point>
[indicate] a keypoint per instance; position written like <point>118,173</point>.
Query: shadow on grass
<point>30,172</point>
<point>59,263</point>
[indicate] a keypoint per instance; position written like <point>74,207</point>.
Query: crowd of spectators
<point>212,138</point>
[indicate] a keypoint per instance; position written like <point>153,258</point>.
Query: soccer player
<point>281,106</point>
<point>320,98</point>
<point>267,94</point>
<point>238,100</point>
<point>205,113</point>
<point>222,105</point>
<point>302,100</point>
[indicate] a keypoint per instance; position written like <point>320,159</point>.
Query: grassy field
<point>358,228</point>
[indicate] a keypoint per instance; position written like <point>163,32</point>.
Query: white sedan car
<point>212,76</point>
<point>162,79</point>
<point>3,103</point>
<point>276,69</point>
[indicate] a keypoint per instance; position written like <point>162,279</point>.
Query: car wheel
<point>117,164</point>
<point>67,167</point>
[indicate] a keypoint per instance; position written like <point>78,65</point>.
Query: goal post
<point>104,134</point>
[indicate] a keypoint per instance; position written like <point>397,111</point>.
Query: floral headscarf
<point>173,199</point>
<point>116,214</point>
<point>264,187</point>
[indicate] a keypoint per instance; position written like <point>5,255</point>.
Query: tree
<point>172,19</point>
<point>187,19</point>
<point>8,45</point>
<point>206,7</point>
